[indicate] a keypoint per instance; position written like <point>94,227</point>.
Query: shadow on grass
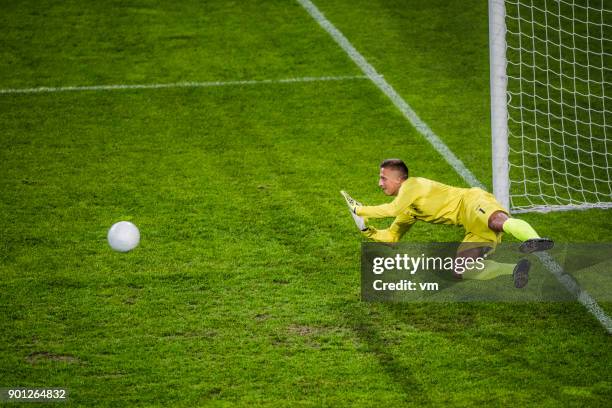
<point>378,338</point>
<point>512,332</point>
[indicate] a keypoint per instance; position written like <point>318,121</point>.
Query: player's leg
<point>499,221</point>
<point>475,247</point>
<point>483,211</point>
<point>465,252</point>
<point>486,219</point>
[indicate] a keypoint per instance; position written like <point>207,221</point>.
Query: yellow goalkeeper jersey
<point>426,200</point>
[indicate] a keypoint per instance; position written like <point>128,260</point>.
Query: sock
<point>491,270</point>
<point>519,229</point>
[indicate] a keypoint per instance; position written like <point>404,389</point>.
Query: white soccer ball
<point>123,236</point>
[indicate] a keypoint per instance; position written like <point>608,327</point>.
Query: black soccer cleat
<point>520,274</point>
<point>536,245</point>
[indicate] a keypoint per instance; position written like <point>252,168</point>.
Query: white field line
<point>556,269</point>
<point>569,207</point>
<point>572,287</point>
<point>175,85</point>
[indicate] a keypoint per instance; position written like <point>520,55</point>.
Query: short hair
<point>395,164</point>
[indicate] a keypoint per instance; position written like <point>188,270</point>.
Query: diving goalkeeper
<point>421,199</point>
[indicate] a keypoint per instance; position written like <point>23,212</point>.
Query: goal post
<point>499,111</point>
<point>551,103</point>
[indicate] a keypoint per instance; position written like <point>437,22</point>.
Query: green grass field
<point>244,290</point>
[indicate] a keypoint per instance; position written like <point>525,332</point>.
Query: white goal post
<point>551,103</point>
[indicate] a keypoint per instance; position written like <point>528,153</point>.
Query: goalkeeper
<point>482,216</point>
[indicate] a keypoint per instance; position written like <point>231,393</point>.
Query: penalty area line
<point>581,295</point>
<point>210,84</point>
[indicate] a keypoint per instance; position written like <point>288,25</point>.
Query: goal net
<point>558,103</point>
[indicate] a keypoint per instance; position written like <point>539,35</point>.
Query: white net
<point>559,69</point>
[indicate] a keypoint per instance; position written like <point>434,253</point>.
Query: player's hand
<point>360,222</point>
<point>352,203</point>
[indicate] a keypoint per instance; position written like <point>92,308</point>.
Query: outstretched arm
<point>378,211</point>
<point>394,233</point>
<point>392,209</point>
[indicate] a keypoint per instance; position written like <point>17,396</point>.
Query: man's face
<point>390,181</point>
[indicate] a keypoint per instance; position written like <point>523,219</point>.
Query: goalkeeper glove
<point>359,221</point>
<point>352,204</point>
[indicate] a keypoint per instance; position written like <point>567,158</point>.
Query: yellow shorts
<point>478,205</point>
